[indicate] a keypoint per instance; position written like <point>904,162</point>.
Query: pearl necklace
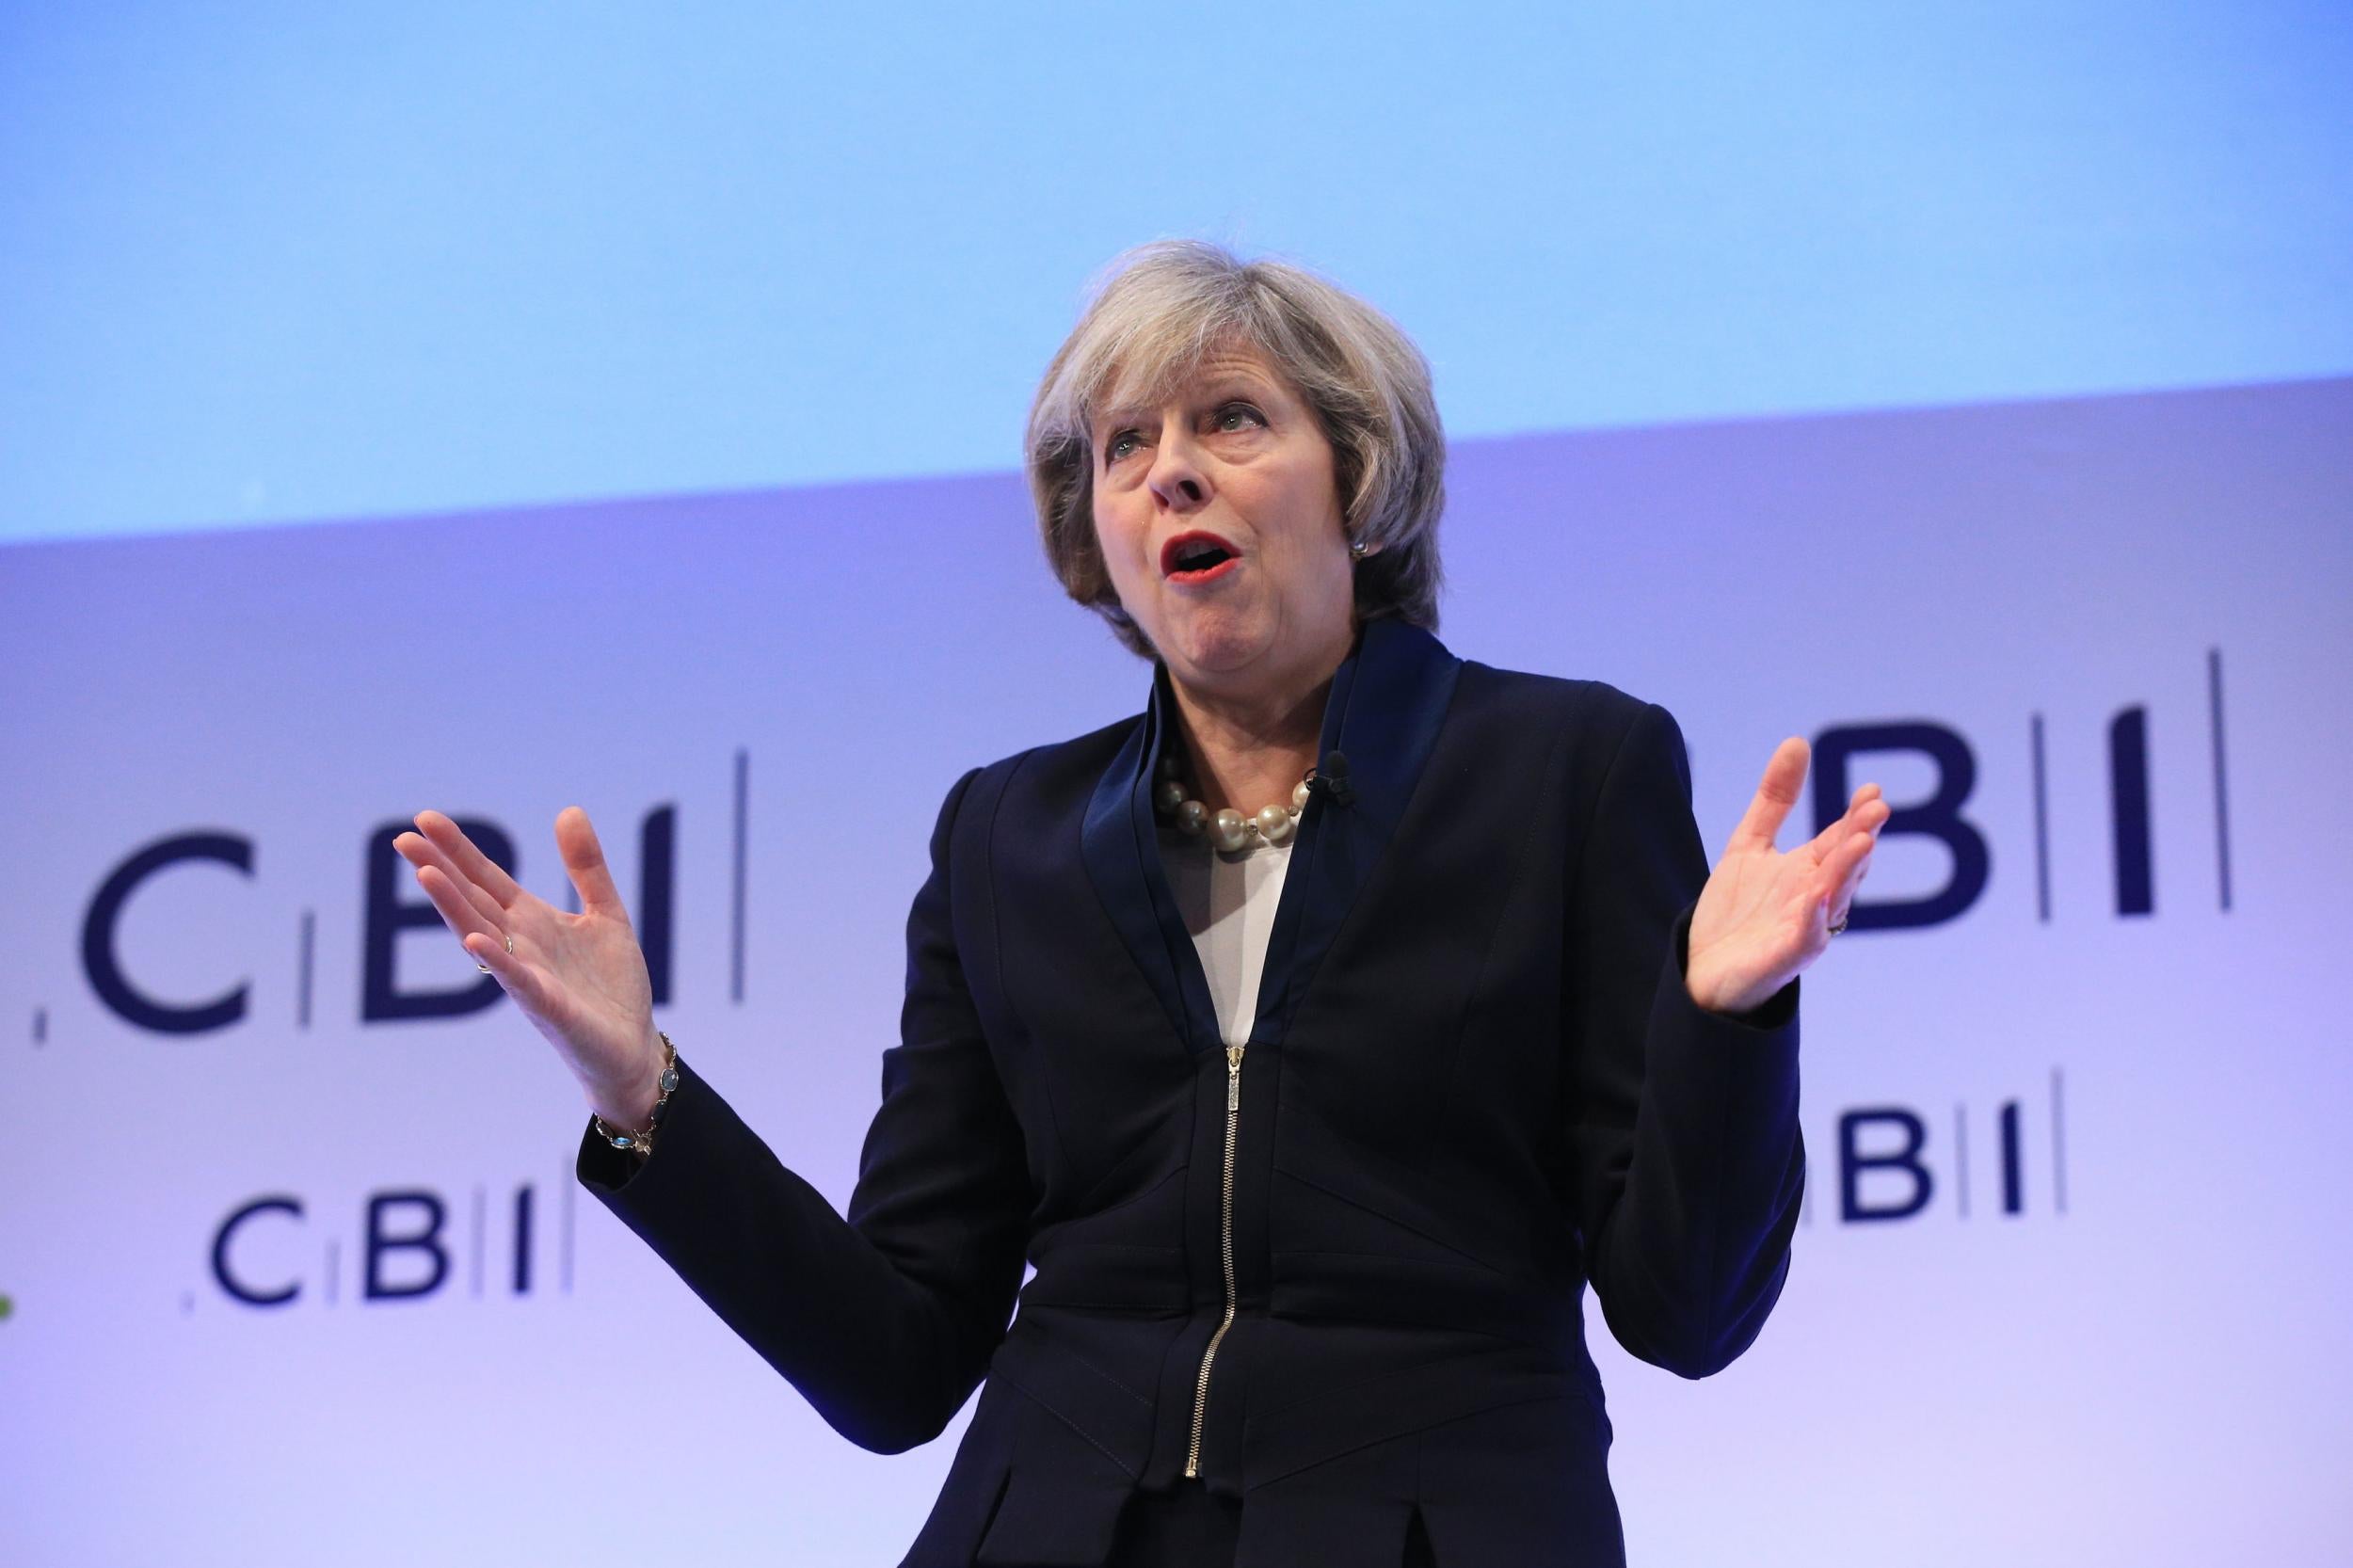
<point>1230,829</point>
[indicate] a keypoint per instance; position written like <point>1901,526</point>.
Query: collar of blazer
<point>1388,699</point>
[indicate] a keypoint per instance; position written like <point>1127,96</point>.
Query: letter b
<point>1938,817</point>
<point>425,1239</point>
<point>1903,1161</point>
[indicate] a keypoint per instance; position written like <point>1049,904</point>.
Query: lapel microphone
<point>1331,779</point>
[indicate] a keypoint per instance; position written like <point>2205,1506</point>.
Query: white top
<point>1228,905</point>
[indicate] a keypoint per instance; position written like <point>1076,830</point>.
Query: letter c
<point>227,1233</point>
<point>104,969</point>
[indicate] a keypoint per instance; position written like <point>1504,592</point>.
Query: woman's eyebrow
<point>1223,384</point>
<point>1105,426</point>
<point>1122,413</point>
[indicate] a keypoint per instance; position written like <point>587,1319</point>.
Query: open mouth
<point>1197,557</point>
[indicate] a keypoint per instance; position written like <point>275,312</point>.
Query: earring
<point>1357,549</point>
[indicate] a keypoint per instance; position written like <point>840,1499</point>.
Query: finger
<point>527,984</point>
<point>1843,870</point>
<point>421,852</point>
<point>1867,816</point>
<point>469,859</point>
<point>1865,805</point>
<point>458,911</point>
<point>584,858</point>
<point>1784,770</point>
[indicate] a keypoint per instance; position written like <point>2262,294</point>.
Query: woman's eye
<point>1116,447</point>
<point>1233,410</point>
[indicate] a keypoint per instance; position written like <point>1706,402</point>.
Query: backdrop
<point>298,1273</point>
<point>1961,388</point>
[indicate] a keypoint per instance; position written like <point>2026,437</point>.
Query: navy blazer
<point>1337,1273</point>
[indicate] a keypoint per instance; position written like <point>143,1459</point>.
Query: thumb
<point>583,859</point>
<point>1776,792</point>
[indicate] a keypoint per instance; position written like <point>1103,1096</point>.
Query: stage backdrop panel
<point>295,1270</point>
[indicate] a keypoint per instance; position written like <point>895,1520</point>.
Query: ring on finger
<point>510,947</point>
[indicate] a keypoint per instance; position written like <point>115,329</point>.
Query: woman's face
<point>1220,523</point>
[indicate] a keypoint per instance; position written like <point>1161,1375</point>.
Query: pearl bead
<point>1230,830</point>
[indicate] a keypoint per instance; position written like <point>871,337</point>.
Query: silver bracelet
<point>642,1142</point>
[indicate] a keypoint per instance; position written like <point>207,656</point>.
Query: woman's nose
<point>1175,476</point>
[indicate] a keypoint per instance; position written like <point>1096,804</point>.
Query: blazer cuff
<point>697,1125</point>
<point>1743,1067</point>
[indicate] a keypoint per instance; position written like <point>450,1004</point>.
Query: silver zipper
<point>1226,1242</point>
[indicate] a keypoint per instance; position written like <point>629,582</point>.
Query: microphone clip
<point>1331,779</point>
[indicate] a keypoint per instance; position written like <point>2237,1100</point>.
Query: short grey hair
<point>1156,311</point>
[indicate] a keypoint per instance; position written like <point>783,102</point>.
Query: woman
<point>1317,1034</point>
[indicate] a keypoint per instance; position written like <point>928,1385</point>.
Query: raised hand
<point>580,979</point>
<point>1765,916</point>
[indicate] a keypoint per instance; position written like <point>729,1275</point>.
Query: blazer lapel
<point>1121,847</point>
<point>1387,700</point>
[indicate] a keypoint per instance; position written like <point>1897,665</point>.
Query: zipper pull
<point>1233,1077</point>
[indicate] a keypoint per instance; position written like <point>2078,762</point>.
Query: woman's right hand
<point>580,979</point>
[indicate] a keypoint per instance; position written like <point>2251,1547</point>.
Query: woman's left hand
<point>1763,916</point>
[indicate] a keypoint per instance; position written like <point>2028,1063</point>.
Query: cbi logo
<point>384,914</point>
<point>396,1245</point>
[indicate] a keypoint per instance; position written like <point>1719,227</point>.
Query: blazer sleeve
<point>885,1321</point>
<point>1684,1128</point>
